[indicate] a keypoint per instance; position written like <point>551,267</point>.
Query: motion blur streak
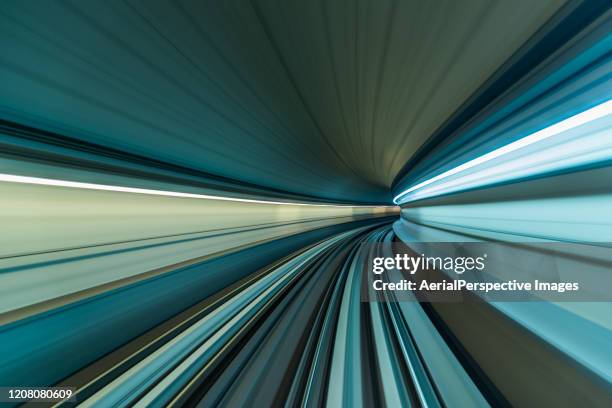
<point>191,192</point>
<point>11,178</point>
<point>549,153</point>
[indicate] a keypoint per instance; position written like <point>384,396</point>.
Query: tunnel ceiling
<point>327,99</point>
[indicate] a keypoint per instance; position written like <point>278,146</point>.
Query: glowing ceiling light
<point>475,173</point>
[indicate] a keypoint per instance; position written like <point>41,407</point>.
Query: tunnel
<point>295,203</point>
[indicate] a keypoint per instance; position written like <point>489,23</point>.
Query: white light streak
<point>10,178</point>
<point>597,112</point>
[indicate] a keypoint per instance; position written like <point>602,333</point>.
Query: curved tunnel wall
<point>191,194</point>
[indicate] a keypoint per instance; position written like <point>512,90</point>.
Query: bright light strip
<point>597,112</point>
<point>10,178</point>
